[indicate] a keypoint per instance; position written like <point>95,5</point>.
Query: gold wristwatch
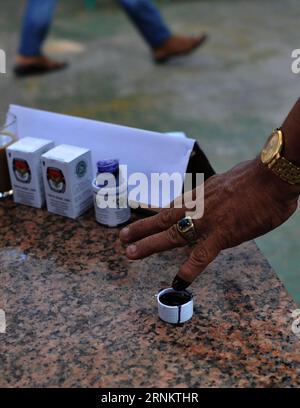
<point>272,156</point>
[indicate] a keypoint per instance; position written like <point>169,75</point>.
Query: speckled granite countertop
<point>80,314</point>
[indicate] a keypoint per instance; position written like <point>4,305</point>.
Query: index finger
<point>152,225</point>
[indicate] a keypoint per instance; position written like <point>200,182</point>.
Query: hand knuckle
<point>139,225</point>
<point>165,219</point>
<point>200,254</point>
<point>173,235</point>
<point>201,232</point>
<point>227,189</point>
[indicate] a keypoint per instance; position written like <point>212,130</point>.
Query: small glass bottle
<point>110,194</point>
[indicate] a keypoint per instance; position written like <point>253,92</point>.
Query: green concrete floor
<point>229,95</point>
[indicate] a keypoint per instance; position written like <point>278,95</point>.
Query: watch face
<point>272,147</point>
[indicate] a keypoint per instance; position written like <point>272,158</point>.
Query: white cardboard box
<point>142,151</point>
<point>67,174</point>
<point>24,163</point>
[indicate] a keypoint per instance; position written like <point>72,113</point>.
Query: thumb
<point>202,255</point>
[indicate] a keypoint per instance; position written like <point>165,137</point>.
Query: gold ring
<point>186,228</point>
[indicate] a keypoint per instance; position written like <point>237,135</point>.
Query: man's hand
<point>240,205</point>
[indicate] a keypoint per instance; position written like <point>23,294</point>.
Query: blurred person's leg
<point>35,27</point>
<point>148,20</point>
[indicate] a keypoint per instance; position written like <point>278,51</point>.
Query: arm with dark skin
<point>291,131</point>
<point>241,204</point>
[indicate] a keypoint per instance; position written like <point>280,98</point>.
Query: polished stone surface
<point>79,313</point>
<point>228,95</point>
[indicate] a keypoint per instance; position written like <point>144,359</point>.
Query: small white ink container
<point>109,186</point>
<point>175,307</point>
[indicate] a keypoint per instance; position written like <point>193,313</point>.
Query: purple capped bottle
<point>110,194</point>
<point>106,170</point>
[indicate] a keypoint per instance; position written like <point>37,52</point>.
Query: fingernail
<point>131,250</point>
<point>124,234</point>
<point>180,284</point>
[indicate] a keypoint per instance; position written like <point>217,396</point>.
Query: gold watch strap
<point>286,170</point>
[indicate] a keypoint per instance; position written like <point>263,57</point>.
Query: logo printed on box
<point>25,170</point>
<point>56,180</point>
<point>67,173</point>
<point>22,170</point>
<point>81,168</point>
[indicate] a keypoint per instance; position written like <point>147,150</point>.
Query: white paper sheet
<point>140,150</point>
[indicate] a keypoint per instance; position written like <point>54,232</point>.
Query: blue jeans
<point>36,23</point>
<point>147,20</point>
<point>38,16</point>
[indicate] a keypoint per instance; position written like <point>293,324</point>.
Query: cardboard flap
<point>198,164</point>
